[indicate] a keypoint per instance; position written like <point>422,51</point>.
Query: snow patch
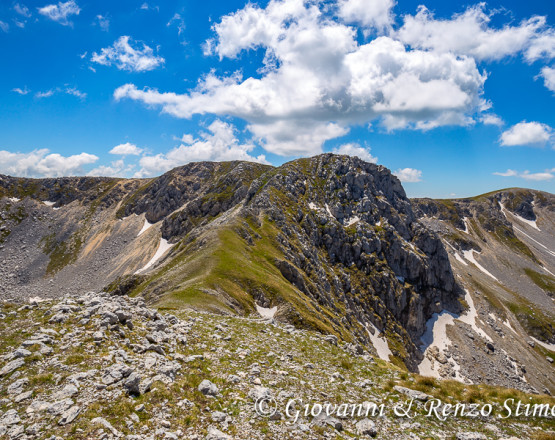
<point>379,343</point>
<point>550,347</point>
<point>536,241</point>
<point>461,259</point>
<point>469,255</point>
<point>436,336</point>
<point>163,247</point>
<point>531,223</point>
<point>328,210</point>
<point>145,227</point>
<point>465,221</point>
<point>265,312</point>
<point>13,199</point>
<point>47,203</point>
<point>508,324</point>
<point>352,221</point>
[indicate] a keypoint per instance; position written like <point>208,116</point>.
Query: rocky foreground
<point>105,367</point>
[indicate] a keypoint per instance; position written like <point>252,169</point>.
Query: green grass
<point>544,282</point>
<point>532,319</point>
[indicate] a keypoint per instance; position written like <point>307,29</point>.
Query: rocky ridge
<point>108,367</point>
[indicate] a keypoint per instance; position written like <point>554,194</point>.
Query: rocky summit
<point>318,278</point>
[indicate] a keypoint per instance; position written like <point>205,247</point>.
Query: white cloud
<point>469,33</point>
<point>60,12</point>
<point>317,80</point>
<point>526,133</point>
<point>375,14</point>
<point>20,91</point>
<point>353,149</point>
<point>126,57</point>
<point>546,175</point>
<point>22,10</point>
<point>46,94</point>
<point>508,173</point>
<point>115,169</point>
<point>543,46</point>
<point>5,27</point>
<point>75,92</point>
<point>548,74</point>
<point>491,119</point>
<point>103,22</point>
<point>179,22</point>
<point>39,163</point>
<point>126,149</point>
<point>408,175</point>
<point>219,143</point>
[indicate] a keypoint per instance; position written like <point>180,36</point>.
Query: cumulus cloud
<point>408,175</point>
<point>469,33</point>
<point>317,80</point>
<point>126,57</point>
<point>543,46</point>
<point>526,133</point>
<point>353,149</point>
<point>377,14</point>
<point>60,12</point>
<point>546,175</point>
<point>115,169</point>
<point>126,149</point>
<point>218,143</point>
<point>491,119</point>
<point>548,74</point>
<point>41,163</point>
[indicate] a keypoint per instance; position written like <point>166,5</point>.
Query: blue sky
<point>456,99</point>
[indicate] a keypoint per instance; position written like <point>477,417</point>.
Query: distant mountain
<point>331,242</point>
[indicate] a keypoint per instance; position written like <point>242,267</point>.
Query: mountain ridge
<point>331,241</point>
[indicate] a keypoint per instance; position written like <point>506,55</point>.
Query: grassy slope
<point>227,264</point>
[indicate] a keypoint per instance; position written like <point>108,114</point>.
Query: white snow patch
<point>461,259</point>
<point>536,241</point>
<point>36,299</point>
<point>550,347</point>
<point>379,343</point>
<point>492,316</point>
<point>470,318</point>
<point>352,221</point>
<point>465,230</point>
<point>469,255</point>
<point>265,312</point>
<point>13,199</point>
<point>465,220</point>
<point>313,206</point>
<point>508,324</point>
<point>436,335</point>
<point>328,210</point>
<point>47,203</point>
<point>163,247</point>
<point>145,227</point>
<point>531,223</point>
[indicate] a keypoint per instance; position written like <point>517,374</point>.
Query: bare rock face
<point>351,240</point>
